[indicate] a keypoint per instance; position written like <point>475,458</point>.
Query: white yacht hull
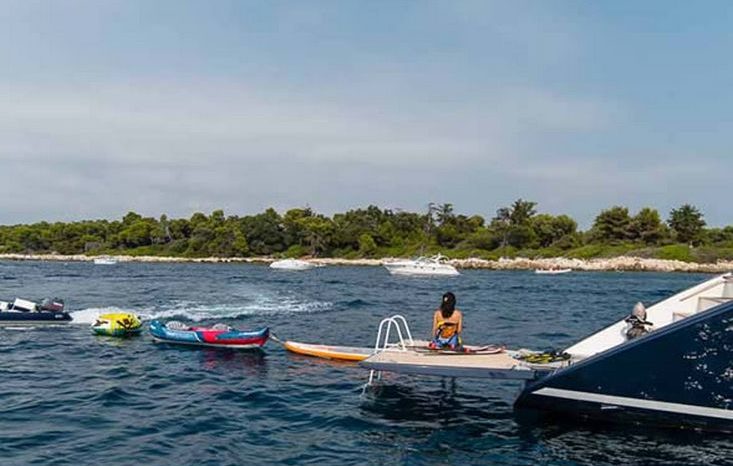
<point>292,264</point>
<point>419,269</point>
<point>105,262</point>
<point>552,271</point>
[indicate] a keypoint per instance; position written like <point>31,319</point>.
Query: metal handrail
<point>383,343</point>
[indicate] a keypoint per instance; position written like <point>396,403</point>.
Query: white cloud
<point>184,122</point>
<point>178,147</point>
<point>339,105</point>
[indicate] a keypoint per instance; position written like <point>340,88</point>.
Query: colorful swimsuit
<point>446,336</point>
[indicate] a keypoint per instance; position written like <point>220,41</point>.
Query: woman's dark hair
<point>448,305</point>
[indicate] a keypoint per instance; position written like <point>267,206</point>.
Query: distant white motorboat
<point>105,260</point>
<point>292,264</point>
<point>552,271</point>
<point>435,265</point>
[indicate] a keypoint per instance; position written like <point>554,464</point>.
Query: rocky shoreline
<point>621,263</point>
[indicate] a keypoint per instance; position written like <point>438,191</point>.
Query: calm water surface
<point>68,397</point>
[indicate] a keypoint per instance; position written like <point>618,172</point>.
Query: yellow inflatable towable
<point>119,324</point>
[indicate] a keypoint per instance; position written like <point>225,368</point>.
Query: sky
<point>183,106</point>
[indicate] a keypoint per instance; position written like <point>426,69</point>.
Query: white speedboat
<point>105,260</point>
<point>435,265</point>
<point>292,264</point>
<point>552,271</point>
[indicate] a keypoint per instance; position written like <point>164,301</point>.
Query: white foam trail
<point>201,311</point>
<point>88,316</point>
<point>197,311</point>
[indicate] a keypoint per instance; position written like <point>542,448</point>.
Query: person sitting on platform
<point>447,325</point>
<point>637,322</point>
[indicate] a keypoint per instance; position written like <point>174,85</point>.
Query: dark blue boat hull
<point>9,318</point>
<point>679,376</point>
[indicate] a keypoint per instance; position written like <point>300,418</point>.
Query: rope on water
<point>274,338</point>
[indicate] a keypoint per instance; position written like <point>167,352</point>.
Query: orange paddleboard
<point>346,353</point>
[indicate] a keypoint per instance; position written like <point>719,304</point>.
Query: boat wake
<point>197,311</point>
<point>89,316</point>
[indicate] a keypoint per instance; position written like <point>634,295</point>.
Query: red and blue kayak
<point>219,336</point>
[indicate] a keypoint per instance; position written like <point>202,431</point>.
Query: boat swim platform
<point>486,366</point>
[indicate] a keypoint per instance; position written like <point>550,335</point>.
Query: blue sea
<point>69,397</point>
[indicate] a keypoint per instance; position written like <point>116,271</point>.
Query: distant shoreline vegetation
<point>515,231</point>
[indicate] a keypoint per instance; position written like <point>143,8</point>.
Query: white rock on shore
<point>621,263</point>
<point>611,264</point>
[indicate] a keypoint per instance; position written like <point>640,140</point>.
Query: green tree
<point>349,227</point>
<point>201,237</point>
<point>217,218</point>
<point>522,212</point>
<point>613,225</point>
<point>512,224</point>
<point>500,224</point>
<point>484,238</point>
<point>179,229</point>
<point>264,233</point>
<point>447,235</point>
<point>408,225</point>
<point>137,234</point>
<point>130,218</point>
<point>293,224</point>
<point>367,246</point>
<point>227,241</point>
<point>364,231</point>
<point>687,222</point>
<point>550,229</point>
<point>521,236</point>
<point>720,236</point>
<point>317,232</point>
<point>161,232</point>
<point>198,219</point>
<point>444,214</point>
<point>647,226</point>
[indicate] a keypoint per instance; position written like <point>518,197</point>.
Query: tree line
<point>518,229</point>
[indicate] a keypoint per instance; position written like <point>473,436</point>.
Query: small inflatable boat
<point>121,324</point>
<point>23,312</point>
<point>219,336</point>
<point>345,353</point>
